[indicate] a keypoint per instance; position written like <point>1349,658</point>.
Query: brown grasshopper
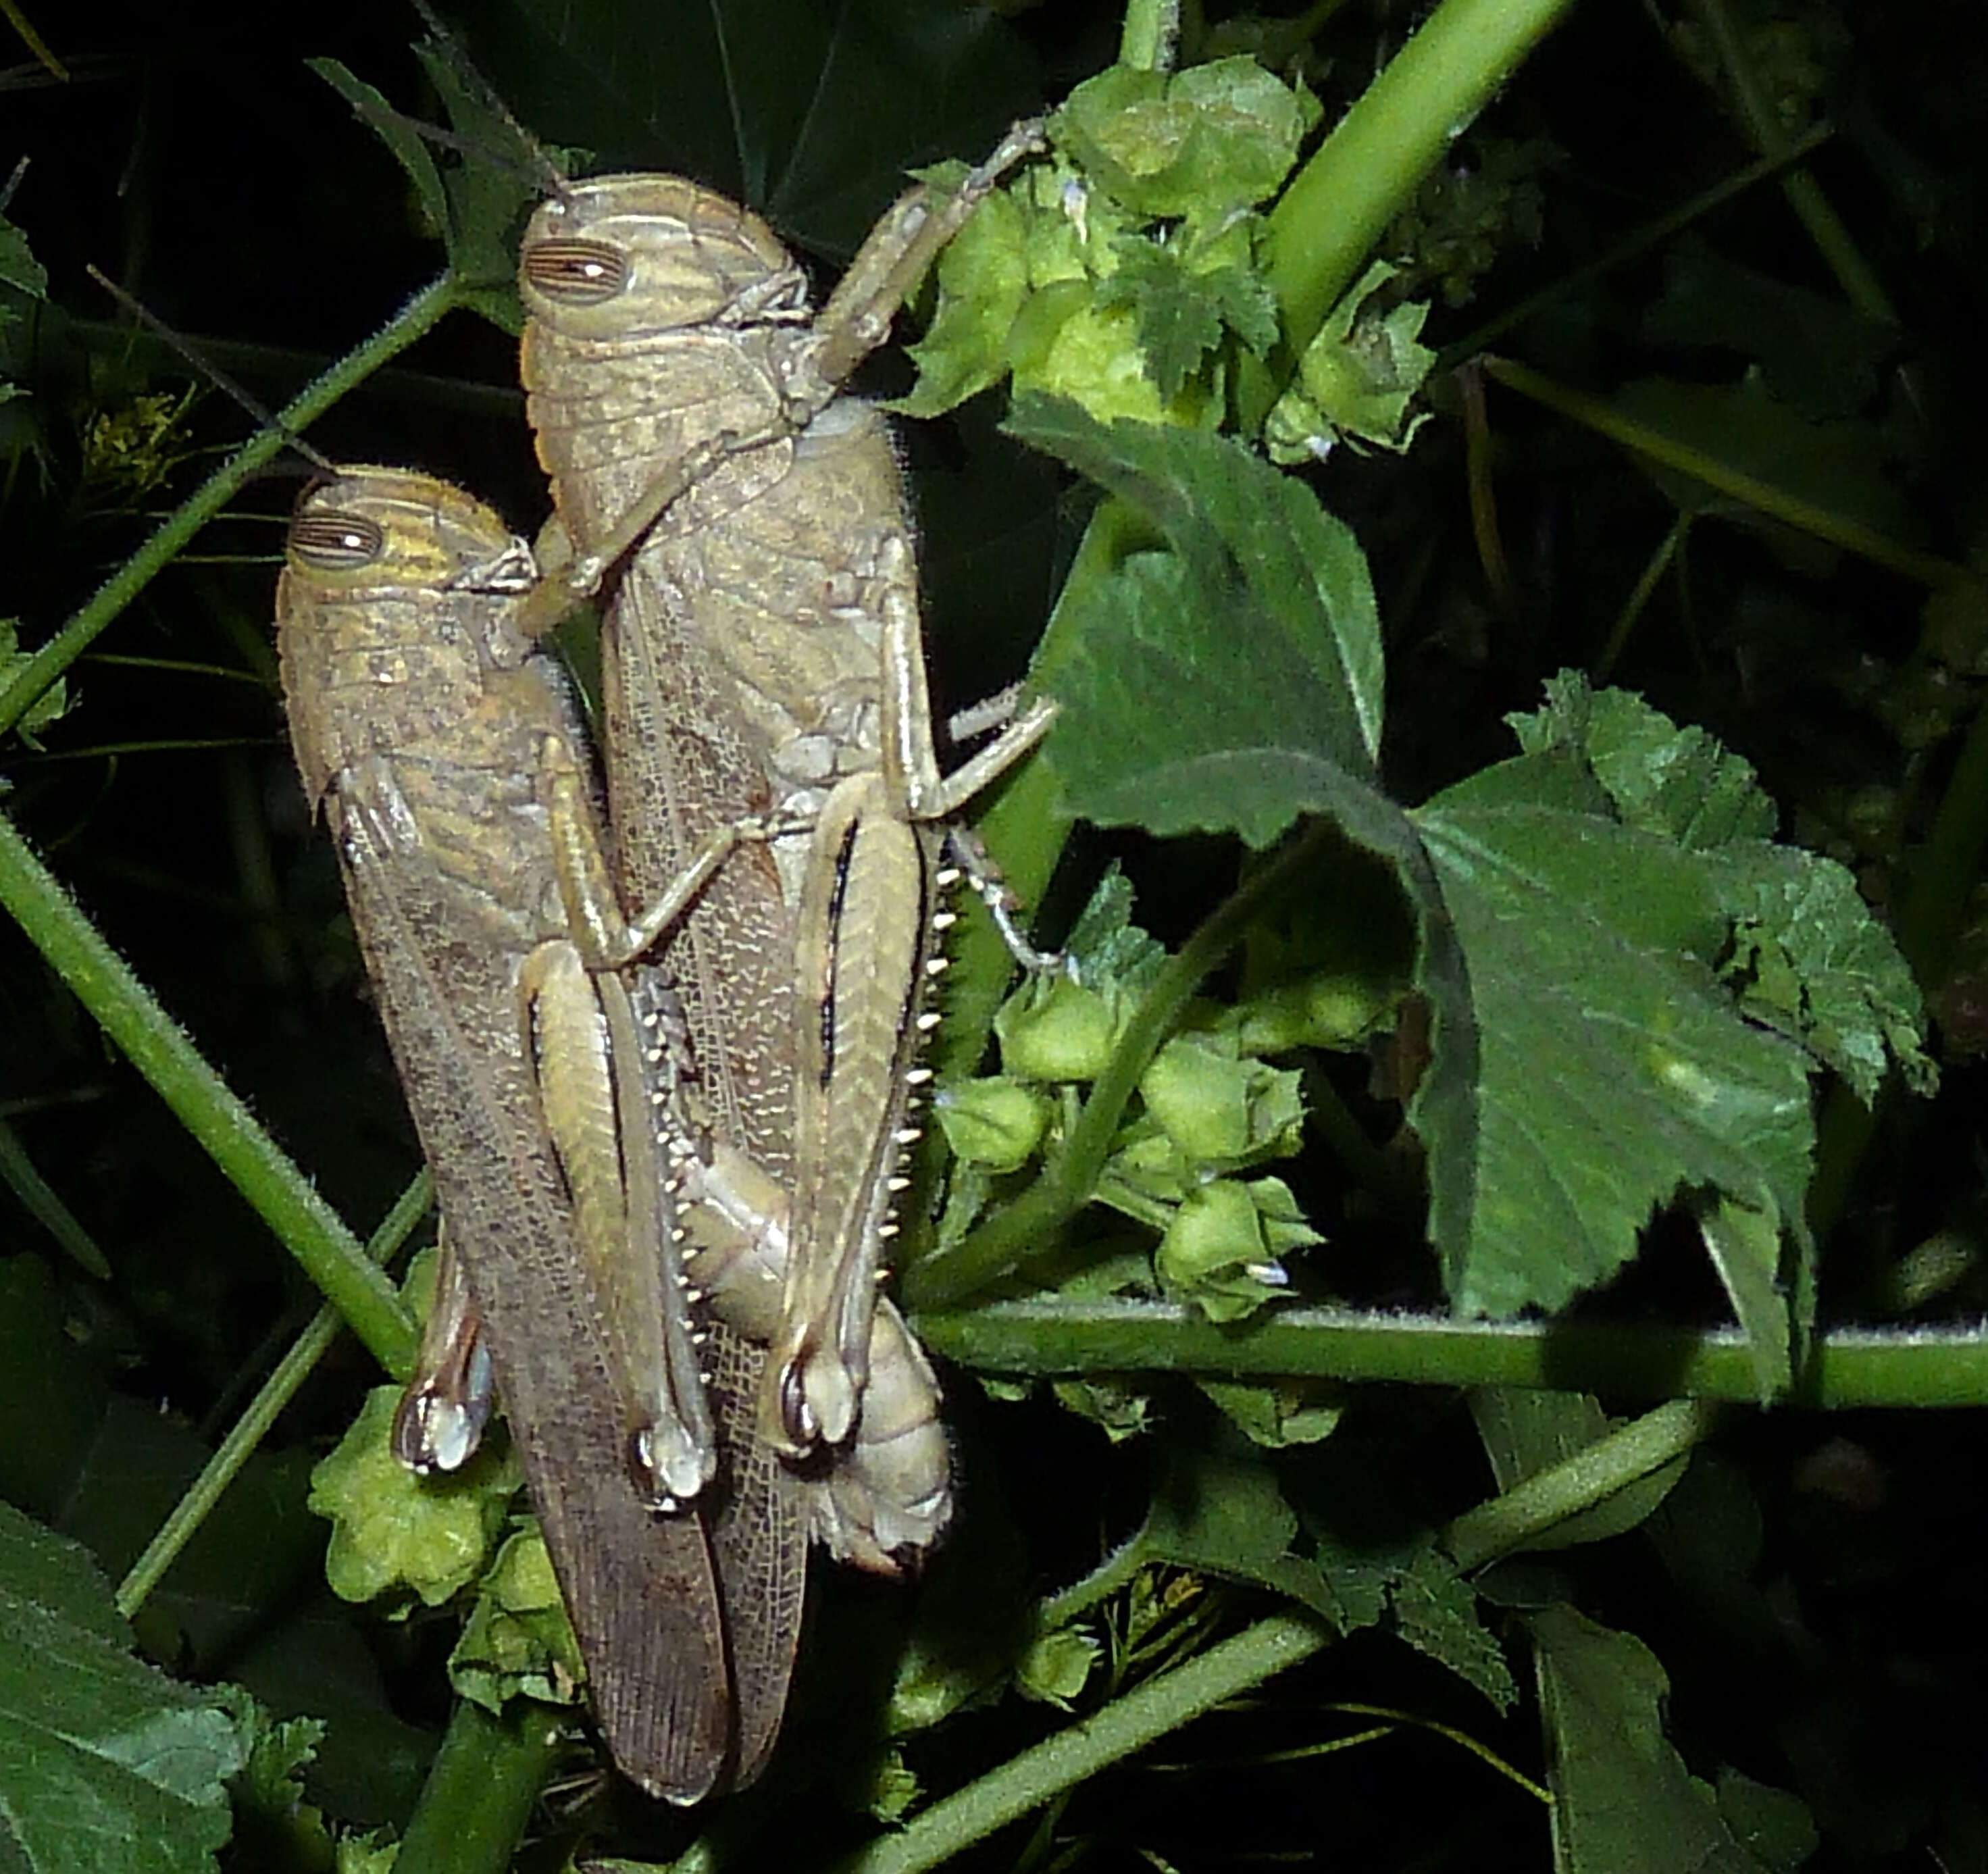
<point>763,668</point>
<point>437,740</point>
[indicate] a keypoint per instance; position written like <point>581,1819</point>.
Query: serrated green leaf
<point>1811,959</point>
<point>106,1766</point>
<point>392,1530</point>
<point>1106,946</point>
<point>1436,1611</point>
<point>272,1782</point>
<point>1624,1802</point>
<point>1612,1071</point>
<point>400,137</point>
<point>1221,1513</point>
<point>1681,782</point>
<point>1745,1246</point>
<point>1262,612</point>
<point>18,267</point>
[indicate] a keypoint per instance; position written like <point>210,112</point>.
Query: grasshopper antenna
<point>210,371</point>
<point>548,175</point>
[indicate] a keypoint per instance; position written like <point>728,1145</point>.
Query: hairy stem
<point>158,1047</point>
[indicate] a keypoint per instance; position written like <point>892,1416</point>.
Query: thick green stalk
<point>1323,231</point>
<point>1897,1367</point>
<point>1591,1475</point>
<point>35,676</point>
<point>480,1790</point>
<point>251,1161</point>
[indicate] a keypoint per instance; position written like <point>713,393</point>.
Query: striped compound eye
<point>575,273</point>
<point>334,542</point>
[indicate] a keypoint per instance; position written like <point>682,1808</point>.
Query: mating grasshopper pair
<point>763,669</point>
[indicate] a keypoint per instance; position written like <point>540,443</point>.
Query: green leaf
<point>49,707</point>
<point>18,268</point>
<point>106,1766</point>
<point>518,1641</point>
<point>1612,1069</point>
<point>1623,1803</point>
<point>1106,944</point>
<point>1056,1667</point>
<point>1221,1512</point>
<point>391,1530</point>
<point>1196,144</point>
<point>412,154</point>
<point>1357,379</point>
<point>1745,1245</point>
<point>1679,782</point>
<point>1185,295</point>
<point>1262,612</point>
<point>1293,1412</point>
<point>1812,961</point>
<point>1436,1611</point>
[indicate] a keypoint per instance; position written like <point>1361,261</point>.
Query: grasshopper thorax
<point>620,256</point>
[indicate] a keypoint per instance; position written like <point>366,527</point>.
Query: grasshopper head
<point>374,559</point>
<point>620,255</point>
<point>387,529</point>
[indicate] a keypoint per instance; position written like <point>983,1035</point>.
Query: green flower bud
<point>996,1123</point>
<point>1221,1109</point>
<point>1219,1252</point>
<point>1052,1029</point>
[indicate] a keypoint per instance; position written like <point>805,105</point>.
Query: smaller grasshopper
<point>442,748</point>
<point>688,413</point>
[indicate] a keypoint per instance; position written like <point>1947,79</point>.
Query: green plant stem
<point>1804,195</point>
<point>994,1248</point>
<point>1127,1723</point>
<point>1658,564</point>
<point>478,1796</point>
<point>40,670</point>
<point>1899,1367</point>
<point>280,1193</point>
<point>1328,221</point>
<point>1841,530</point>
<point>248,1431</point>
<point>1592,1475</point>
<point>1151,32</point>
